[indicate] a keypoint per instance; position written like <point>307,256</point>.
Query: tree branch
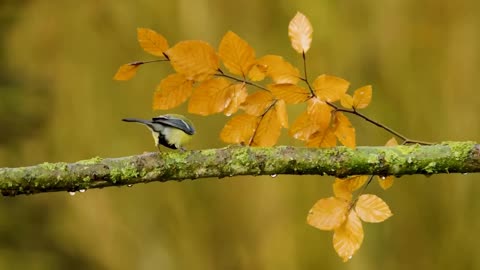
<point>449,157</point>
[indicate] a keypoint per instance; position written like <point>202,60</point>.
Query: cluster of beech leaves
<point>255,92</point>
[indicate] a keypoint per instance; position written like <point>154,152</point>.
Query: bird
<point>170,130</point>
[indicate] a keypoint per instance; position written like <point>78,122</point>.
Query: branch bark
<point>448,157</point>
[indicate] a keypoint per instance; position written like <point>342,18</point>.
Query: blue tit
<point>170,130</point>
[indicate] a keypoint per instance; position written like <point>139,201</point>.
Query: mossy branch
<point>449,157</point>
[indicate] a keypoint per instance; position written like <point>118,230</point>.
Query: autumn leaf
<point>257,72</point>
<point>330,88</point>
<point>344,130</point>
<point>362,97</point>
<point>279,70</point>
<point>281,109</point>
<point>348,238</point>
<point>194,59</point>
<point>346,101</point>
<point>303,127</point>
<point>238,94</point>
<point>290,93</point>
<point>328,214</point>
<point>237,56</point>
<point>371,208</point>
<point>127,71</point>
<point>325,138</point>
<point>151,41</point>
<point>343,188</point>
<point>320,113</point>
<point>239,129</point>
<point>211,96</point>
<point>300,33</point>
<point>391,142</point>
<point>171,92</point>
<point>257,103</point>
<point>268,129</point>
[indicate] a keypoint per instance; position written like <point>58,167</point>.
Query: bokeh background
<point>58,102</point>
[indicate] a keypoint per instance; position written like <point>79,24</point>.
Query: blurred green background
<point>58,102</point>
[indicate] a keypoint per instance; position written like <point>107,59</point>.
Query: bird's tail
<point>145,122</point>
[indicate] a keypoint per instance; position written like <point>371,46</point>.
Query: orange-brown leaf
<point>126,72</point>
<point>328,214</point>
<point>343,188</point>
<point>385,182</point>
<point>291,93</point>
<point>300,33</point>
<point>344,130</point>
<point>279,70</point>
<point>239,129</point>
<point>171,92</point>
<point>257,103</point>
<point>257,72</point>
<point>324,138</point>
<point>211,96</point>
<point>330,88</point>
<point>362,97</point>
<point>391,142</point>
<point>320,112</point>
<point>151,41</point>
<point>238,94</point>
<point>268,129</point>
<point>281,109</point>
<point>371,208</point>
<point>303,127</point>
<point>237,56</point>
<point>195,59</point>
<point>348,238</point>
<point>346,101</point>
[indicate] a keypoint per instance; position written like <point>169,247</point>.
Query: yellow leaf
<point>362,97</point>
<point>391,142</point>
<point>238,57</point>
<point>346,101</point>
<point>385,182</point>
<point>291,93</point>
<point>126,72</point>
<point>322,139</point>
<point>371,208</point>
<point>239,129</point>
<point>257,72</point>
<point>343,188</point>
<point>151,41</point>
<point>171,92</point>
<point>348,238</point>
<point>211,96</point>
<point>300,33</point>
<point>257,103</point>
<point>303,127</point>
<point>330,88</point>
<point>320,113</point>
<point>268,129</point>
<point>282,115</point>
<point>238,94</point>
<point>344,130</point>
<point>279,70</point>
<point>195,59</point>
<point>328,214</point>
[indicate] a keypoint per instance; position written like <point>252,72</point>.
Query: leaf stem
<point>305,79</point>
<point>137,63</point>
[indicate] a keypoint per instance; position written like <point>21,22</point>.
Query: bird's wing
<point>174,122</point>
